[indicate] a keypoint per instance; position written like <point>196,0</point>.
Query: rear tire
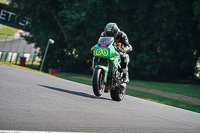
<point>98,82</point>
<point>117,94</point>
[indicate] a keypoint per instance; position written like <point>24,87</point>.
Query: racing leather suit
<point>122,38</point>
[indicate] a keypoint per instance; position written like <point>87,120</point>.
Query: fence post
<point>6,57</point>
<point>33,58</point>
<point>16,58</point>
<point>11,57</point>
<point>10,50</point>
<point>3,46</point>
<point>17,52</point>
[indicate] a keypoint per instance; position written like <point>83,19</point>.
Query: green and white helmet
<point>111,30</point>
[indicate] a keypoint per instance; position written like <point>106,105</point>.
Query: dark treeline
<point>165,34</point>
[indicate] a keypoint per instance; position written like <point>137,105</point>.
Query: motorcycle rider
<point>112,30</point>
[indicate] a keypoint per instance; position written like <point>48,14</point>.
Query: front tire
<point>98,82</point>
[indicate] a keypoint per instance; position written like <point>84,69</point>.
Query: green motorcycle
<point>107,75</point>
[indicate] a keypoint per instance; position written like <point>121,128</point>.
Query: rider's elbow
<point>128,48</point>
<point>131,48</point>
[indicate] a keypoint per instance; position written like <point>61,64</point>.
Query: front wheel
<point>98,82</point>
<point>117,94</point>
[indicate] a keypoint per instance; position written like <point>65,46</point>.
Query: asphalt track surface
<point>31,101</point>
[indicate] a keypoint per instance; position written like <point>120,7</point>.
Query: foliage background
<point>164,33</point>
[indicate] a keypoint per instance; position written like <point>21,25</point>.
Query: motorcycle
<point>107,73</point>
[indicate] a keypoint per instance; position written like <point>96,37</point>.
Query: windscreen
<point>105,41</point>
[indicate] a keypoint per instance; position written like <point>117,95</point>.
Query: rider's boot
<point>125,75</point>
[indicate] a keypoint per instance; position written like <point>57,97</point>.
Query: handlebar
<point>118,49</point>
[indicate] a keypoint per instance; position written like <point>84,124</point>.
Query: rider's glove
<point>122,50</point>
<point>92,48</point>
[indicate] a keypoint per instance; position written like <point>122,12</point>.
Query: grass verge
<point>21,67</point>
<point>7,31</point>
<point>191,90</point>
<point>2,1</point>
<point>164,100</point>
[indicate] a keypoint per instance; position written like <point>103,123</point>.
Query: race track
<point>38,102</point>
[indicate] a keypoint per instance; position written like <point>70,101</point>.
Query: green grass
<point>7,31</point>
<point>35,66</point>
<point>164,100</point>
<point>192,90</point>
<point>2,1</point>
<point>20,67</point>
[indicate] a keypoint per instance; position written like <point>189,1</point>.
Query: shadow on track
<point>74,92</point>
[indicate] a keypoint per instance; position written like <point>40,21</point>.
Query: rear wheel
<point>98,82</point>
<point>117,94</point>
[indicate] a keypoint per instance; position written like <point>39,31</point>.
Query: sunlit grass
<point>7,31</point>
<point>2,1</point>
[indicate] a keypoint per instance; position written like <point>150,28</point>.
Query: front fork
<point>105,68</point>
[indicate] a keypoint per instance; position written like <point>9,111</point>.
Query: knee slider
<point>126,59</point>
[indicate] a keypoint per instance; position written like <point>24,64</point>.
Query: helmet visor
<point>109,34</point>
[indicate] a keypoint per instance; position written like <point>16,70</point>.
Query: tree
<point>168,40</point>
<point>164,34</point>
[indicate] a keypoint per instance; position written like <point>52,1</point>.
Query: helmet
<point>111,30</point>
